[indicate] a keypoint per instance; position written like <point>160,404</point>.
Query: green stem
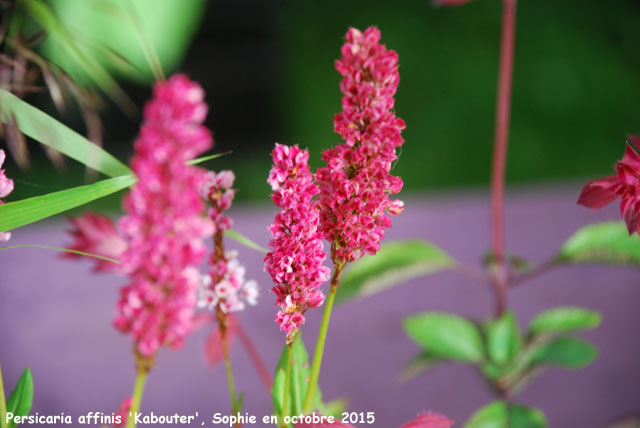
<point>3,404</point>
<point>227,363</point>
<point>287,384</point>
<point>322,337</point>
<point>136,398</point>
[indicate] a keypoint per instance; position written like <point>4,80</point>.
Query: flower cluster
<point>96,234</point>
<point>6,187</point>
<point>164,225</point>
<point>355,184</point>
<point>224,287</point>
<point>295,262</point>
<point>624,185</point>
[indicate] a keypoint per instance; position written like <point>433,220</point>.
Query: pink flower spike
<point>295,261</point>
<point>634,140</point>
<point>429,420</point>
<point>626,185</point>
<point>164,225</point>
<point>123,412</point>
<point>96,234</point>
<point>356,184</point>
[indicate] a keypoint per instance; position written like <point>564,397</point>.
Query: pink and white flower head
<point>624,185</point>
<point>355,184</point>
<point>231,291</point>
<point>6,187</point>
<point>164,225</point>
<point>224,288</point>
<point>96,234</point>
<point>295,262</point>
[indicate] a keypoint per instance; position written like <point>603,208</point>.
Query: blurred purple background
<point>56,317</point>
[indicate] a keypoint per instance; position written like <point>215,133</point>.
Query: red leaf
<point>429,420</point>
<point>213,351</point>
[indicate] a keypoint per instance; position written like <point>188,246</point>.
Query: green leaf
<point>419,364</point>
<point>503,338</point>
<point>206,158</point>
<point>21,397</point>
<point>299,381</point>
<point>335,408</point>
<point>277,391</point>
<point>26,211</point>
<point>564,319</point>
<point>569,352</point>
<point>446,336</point>
<point>494,415</point>
<point>604,243</point>
<point>244,241</point>
<point>48,131</point>
<point>395,263</point>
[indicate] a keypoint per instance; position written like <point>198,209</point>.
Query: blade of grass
<point>66,250</point>
<point>27,211</point>
<point>245,241</point>
<point>48,131</point>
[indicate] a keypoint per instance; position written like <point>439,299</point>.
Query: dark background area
<point>267,68</point>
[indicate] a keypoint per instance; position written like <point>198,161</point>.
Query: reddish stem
<point>253,353</point>
<point>501,140</point>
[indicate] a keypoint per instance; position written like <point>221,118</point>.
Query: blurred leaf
<point>569,352</point>
<point>48,131</point>
<point>607,243</point>
<point>335,408</point>
<point>27,211</point>
<point>503,338</point>
<point>236,236</point>
<point>494,415</point>
<point>277,391</point>
<point>421,363</point>
<point>396,262</point>
<point>169,30</point>
<point>213,350</point>
<point>79,61</point>
<point>21,398</point>
<point>560,320</point>
<point>446,335</point>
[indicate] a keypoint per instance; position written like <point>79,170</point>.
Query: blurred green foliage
<point>575,95</point>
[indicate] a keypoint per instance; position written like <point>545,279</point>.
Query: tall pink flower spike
<point>164,224</point>
<point>295,262</point>
<point>356,184</point>
<point>6,187</point>
<point>624,185</point>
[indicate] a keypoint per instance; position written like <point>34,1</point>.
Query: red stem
<point>501,140</point>
<point>253,353</point>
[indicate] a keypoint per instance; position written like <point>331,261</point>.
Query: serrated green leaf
<point>48,131</point>
<point>498,415</point>
<point>26,211</point>
<point>503,338</point>
<point>604,243</point>
<point>21,398</point>
<point>569,352</point>
<point>565,319</point>
<point>241,239</point>
<point>446,336</point>
<point>396,262</point>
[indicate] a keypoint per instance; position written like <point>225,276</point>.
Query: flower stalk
<point>322,337</point>
<point>136,398</point>
<point>222,325</point>
<point>501,140</point>
<point>287,383</point>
